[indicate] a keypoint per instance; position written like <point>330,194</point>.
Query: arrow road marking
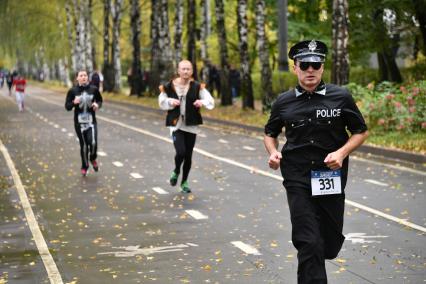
<point>360,238</point>
<point>130,251</point>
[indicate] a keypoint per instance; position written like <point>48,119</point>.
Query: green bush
<point>392,107</point>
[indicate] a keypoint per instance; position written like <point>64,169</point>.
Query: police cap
<point>308,51</point>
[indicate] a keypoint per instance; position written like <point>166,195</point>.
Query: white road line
<point>70,134</point>
<point>117,164</point>
<point>249,148</point>
<point>223,141</point>
<point>246,248</point>
<point>196,214</point>
<point>159,190</point>
<point>136,175</point>
<point>102,154</point>
<point>264,173</point>
<point>396,167</point>
<point>49,263</point>
<point>202,135</point>
<point>64,130</point>
<point>376,182</point>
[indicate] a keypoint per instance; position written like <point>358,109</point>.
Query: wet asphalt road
<point>125,224</point>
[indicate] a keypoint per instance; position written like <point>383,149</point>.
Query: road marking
<point>376,182</point>
<point>196,214</point>
<point>223,141</point>
<point>159,190</point>
<point>49,263</point>
<point>396,167</point>
<point>202,135</point>
<point>130,251</point>
<point>136,175</point>
<point>360,238</point>
<point>268,174</point>
<point>248,249</point>
<point>249,148</point>
<point>102,154</point>
<point>64,130</point>
<point>70,134</point>
<point>117,164</point>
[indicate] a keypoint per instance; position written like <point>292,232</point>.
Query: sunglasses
<point>305,65</point>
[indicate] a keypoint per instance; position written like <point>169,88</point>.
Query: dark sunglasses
<point>305,65</point>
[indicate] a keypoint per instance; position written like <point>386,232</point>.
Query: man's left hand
<point>334,160</point>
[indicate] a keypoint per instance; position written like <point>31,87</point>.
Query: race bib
<point>325,182</point>
<point>85,117</point>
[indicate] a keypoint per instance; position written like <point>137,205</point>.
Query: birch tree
<point>246,83</point>
<point>263,51</point>
<point>116,13</point>
<point>205,28</point>
<point>226,97</point>
<point>340,37</point>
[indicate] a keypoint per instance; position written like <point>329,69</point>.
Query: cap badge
<point>312,46</point>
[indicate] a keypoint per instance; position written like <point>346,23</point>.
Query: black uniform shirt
<point>315,124</point>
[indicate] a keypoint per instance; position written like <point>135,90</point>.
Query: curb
<point>386,153</point>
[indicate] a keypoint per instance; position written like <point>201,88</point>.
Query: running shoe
<point>185,188</point>
<point>173,179</point>
<point>84,172</point>
<point>95,165</point>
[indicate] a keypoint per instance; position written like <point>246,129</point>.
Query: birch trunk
<point>204,29</point>
<point>71,42</point>
<point>178,31</point>
<point>340,57</point>
<point>191,36</point>
<point>135,77</point>
<point>263,50</point>
<point>86,13</point>
<point>166,58</point>
<point>246,83</point>
<point>225,90</point>
<point>116,13</point>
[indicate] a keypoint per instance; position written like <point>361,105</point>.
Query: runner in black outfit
<point>314,160</point>
<point>86,100</point>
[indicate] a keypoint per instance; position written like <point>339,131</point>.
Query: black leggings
<point>88,138</point>
<point>184,143</point>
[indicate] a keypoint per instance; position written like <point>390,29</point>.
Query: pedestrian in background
<point>86,100</point>
<point>183,97</point>
<point>314,159</point>
<point>20,83</point>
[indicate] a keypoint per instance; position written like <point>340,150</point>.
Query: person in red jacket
<point>20,84</point>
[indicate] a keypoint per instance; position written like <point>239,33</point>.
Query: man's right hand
<point>76,100</point>
<point>274,160</point>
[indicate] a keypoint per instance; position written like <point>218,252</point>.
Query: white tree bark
<point>340,66</point>
<point>262,47</point>
<point>205,25</point>
<point>116,13</point>
<point>70,34</point>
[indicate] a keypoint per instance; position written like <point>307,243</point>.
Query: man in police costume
<point>314,159</point>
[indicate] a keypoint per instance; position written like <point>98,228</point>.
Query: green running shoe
<point>185,188</point>
<point>173,179</point>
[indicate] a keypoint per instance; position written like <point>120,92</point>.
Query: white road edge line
<point>49,263</point>
<point>246,248</point>
<point>264,173</point>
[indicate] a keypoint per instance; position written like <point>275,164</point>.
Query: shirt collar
<point>320,89</point>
